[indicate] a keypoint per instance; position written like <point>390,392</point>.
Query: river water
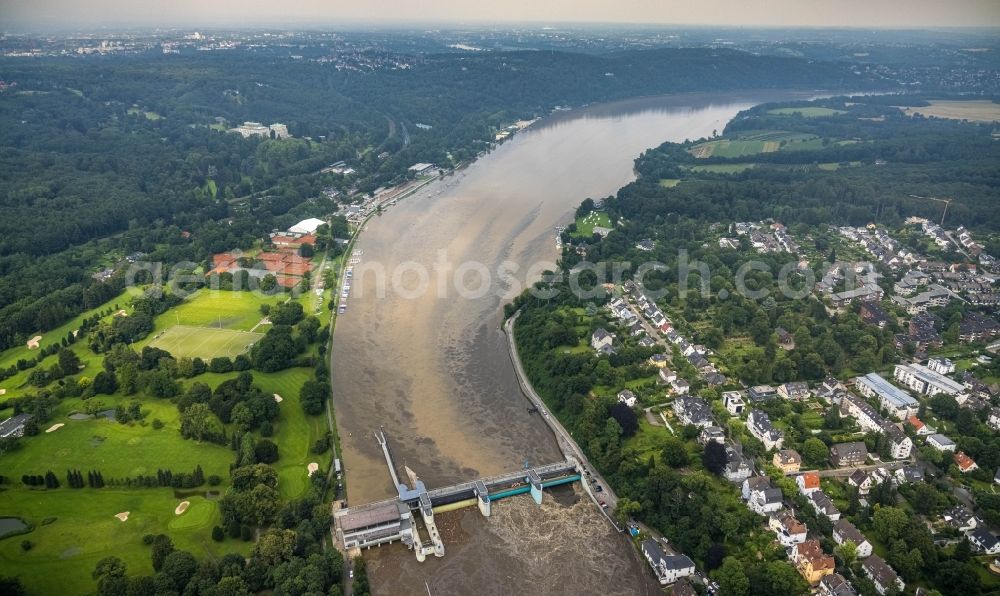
<point>429,363</point>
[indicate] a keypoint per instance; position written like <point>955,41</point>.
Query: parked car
<point>598,488</point>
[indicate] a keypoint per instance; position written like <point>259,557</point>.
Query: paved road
<point>564,438</point>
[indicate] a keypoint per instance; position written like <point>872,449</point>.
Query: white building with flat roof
<point>924,380</point>
<point>900,404</point>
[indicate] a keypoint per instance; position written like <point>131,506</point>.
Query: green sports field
<point>204,342</point>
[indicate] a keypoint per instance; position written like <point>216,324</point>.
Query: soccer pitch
<point>204,342</point>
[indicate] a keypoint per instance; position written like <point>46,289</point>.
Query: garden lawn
<point>585,225</point>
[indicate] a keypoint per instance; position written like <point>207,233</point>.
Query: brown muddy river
<point>428,362</point>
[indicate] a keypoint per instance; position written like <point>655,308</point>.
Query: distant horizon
<point>310,25</point>
<point>742,14</point>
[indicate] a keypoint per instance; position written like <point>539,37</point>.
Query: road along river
<point>420,350</point>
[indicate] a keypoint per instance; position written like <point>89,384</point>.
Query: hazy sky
<point>819,13</point>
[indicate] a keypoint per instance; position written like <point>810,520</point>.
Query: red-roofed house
<point>965,463</point>
<point>808,483</point>
<point>919,426</point>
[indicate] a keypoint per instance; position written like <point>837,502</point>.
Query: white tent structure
<point>306,226</point>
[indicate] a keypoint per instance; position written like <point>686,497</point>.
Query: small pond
<point>11,525</point>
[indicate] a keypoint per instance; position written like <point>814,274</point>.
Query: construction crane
<point>945,201</point>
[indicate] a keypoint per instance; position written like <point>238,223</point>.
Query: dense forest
<point>114,155</point>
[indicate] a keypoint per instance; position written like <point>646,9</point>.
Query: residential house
<point>786,340</point>
<point>693,410</point>
<point>666,375</point>
<point>835,585</point>
<point>993,421</point>
<point>759,425</point>
<point>975,327</point>
<point>765,501</point>
<point>831,390</point>
<point>788,461</point>
<point>845,455</point>
<point>712,433</point>
<point>628,398</point>
<point>658,360</point>
<point>862,481</point>
<point>909,474</point>
<point>668,568</point>
<point>984,541</point>
<point>680,386</point>
<point>900,445</point>
<point>961,518</point>
<point>941,442</point>
<point>881,574</point>
<point>844,531</point>
<point>921,429</point>
<point>863,413</point>
<point>808,483</point>
<point>754,484</point>
<point>823,505</point>
<point>935,296</point>
<point>942,366</point>
<point>737,467</point>
<point>873,314</point>
<point>869,292</point>
<point>794,390</point>
<point>788,530</point>
<point>603,341</point>
<point>811,562</point>
<point>760,393</point>
<point>965,463</point>
<point>734,402</point>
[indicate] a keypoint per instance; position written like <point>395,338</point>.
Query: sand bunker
<point>33,342</point>
<point>313,468</point>
<point>121,313</point>
<point>3,391</point>
<point>277,398</point>
<point>123,515</point>
<point>182,507</point>
<point>54,427</point>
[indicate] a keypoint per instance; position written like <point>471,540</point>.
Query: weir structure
<point>411,513</point>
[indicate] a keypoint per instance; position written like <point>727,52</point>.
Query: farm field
<point>204,342</point>
<point>975,110</point>
<point>806,112</point>
<point>754,143</point>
